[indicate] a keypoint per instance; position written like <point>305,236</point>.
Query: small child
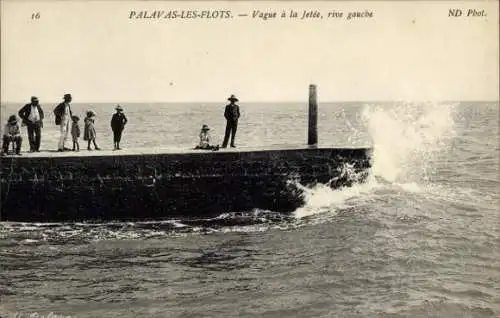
<point>75,133</point>
<point>205,139</point>
<point>12,134</point>
<point>89,133</point>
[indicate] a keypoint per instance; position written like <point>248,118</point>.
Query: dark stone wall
<point>159,186</point>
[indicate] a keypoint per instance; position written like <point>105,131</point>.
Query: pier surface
<point>164,150</point>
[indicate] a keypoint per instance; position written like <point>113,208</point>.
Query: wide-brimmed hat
<point>91,113</point>
<point>232,98</point>
<point>205,127</point>
<point>12,119</point>
<point>75,118</point>
<point>34,98</point>
<point>118,107</point>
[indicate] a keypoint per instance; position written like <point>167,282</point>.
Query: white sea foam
<point>322,198</point>
<point>406,138</point>
<point>28,241</point>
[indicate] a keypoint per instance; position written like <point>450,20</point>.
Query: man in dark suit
<point>32,116</point>
<point>232,114</point>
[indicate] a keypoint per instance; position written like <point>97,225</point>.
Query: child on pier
<point>75,133</point>
<point>205,139</point>
<point>89,133</point>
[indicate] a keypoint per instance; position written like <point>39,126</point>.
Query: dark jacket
<point>59,112</point>
<point>118,121</point>
<point>25,112</point>
<point>232,112</point>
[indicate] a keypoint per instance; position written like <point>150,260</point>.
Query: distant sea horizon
<point>263,101</point>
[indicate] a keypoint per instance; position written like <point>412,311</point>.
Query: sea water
<point>419,239</point>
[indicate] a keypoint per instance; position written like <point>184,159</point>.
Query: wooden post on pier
<point>312,139</point>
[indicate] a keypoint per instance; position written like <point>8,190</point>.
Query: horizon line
<point>266,101</point>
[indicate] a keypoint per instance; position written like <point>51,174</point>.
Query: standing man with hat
<point>32,116</point>
<point>63,118</point>
<point>118,122</point>
<point>232,114</point>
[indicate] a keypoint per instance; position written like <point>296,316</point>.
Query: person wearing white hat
<point>118,122</point>
<point>232,114</point>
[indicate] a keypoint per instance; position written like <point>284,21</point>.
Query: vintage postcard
<point>249,159</point>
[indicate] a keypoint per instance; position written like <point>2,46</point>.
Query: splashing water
<point>407,138</point>
<point>322,197</point>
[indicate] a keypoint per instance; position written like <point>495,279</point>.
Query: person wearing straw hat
<point>89,132</point>
<point>12,134</point>
<point>205,140</point>
<point>232,114</point>
<point>63,116</point>
<point>118,122</point>
<point>32,117</point>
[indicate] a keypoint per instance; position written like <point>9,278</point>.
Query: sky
<point>408,50</point>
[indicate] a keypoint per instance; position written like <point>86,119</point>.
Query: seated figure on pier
<point>12,134</point>
<point>205,140</point>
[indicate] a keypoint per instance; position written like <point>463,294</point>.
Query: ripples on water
<point>419,239</point>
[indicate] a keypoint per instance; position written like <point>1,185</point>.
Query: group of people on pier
<point>32,116</point>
